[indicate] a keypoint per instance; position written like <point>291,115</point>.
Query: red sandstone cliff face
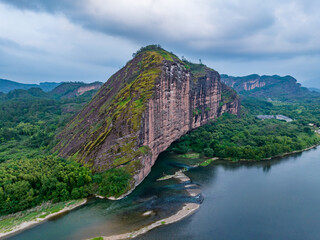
<point>180,104</point>
<point>141,110</point>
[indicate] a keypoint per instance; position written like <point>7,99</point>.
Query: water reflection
<point>276,199</point>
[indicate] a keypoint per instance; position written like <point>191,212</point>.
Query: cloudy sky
<point>89,40</point>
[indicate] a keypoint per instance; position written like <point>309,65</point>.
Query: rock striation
<point>150,103</point>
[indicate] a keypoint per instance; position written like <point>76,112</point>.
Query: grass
<point>97,238</point>
<point>207,162</point>
<point>190,155</point>
<point>9,222</point>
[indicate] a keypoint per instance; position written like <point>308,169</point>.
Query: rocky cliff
<point>268,87</point>
<point>142,109</point>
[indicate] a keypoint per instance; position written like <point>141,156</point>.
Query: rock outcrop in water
<point>142,109</point>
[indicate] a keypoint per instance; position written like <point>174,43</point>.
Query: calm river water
<point>278,199</point>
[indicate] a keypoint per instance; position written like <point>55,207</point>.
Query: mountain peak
<point>141,110</point>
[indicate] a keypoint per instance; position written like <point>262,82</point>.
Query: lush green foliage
<point>28,182</point>
<point>28,122</point>
<point>198,70</point>
<point>157,48</point>
<point>250,138</point>
<point>9,222</point>
<point>114,182</point>
<point>30,173</point>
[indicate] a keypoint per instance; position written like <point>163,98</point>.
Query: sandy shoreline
<point>26,225</point>
<point>187,209</point>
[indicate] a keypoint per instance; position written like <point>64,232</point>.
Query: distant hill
<point>24,94</point>
<point>269,87</point>
<point>314,89</point>
<point>74,89</point>
<point>48,86</point>
<point>64,90</point>
<point>7,86</point>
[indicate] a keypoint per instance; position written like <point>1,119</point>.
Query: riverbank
<point>18,222</point>
<point>187,209</point>
<point>277,156</point>
<point>209,160</point>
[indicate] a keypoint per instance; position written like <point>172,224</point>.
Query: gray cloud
<point>49,6</point>
<point>217,31</point>
<point>240,27</point>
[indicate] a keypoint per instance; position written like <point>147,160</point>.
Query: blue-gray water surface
<point>278,199</point>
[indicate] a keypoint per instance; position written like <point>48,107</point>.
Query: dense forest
<point>250,138</point>
<point>32,174</point>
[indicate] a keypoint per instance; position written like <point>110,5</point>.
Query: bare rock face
<point>180,104</point>
<point>154,100</point>
<point>87,88</point>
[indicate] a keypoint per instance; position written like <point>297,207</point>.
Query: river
<point>277,199</point>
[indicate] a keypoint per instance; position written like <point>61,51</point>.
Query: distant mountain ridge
<point>269,87</point>
<point>8,85</point>
<point>64,90</point>
<point>314,89</point>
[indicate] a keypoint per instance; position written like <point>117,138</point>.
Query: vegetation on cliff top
<point>198,70</point>
<point>158,49</point>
